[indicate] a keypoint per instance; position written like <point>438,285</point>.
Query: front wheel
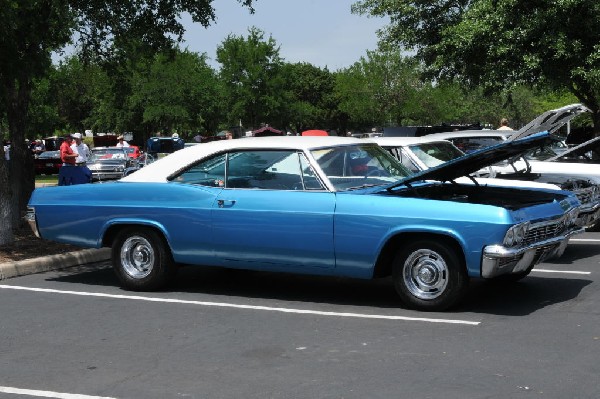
<point>142,260</point>
<point>429,276</point>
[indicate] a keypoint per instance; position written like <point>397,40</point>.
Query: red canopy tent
<point>315,133</point>
<point>266,131</point>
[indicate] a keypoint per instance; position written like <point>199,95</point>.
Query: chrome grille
<point>543,231</point>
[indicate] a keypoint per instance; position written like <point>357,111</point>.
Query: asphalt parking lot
<point>74,333</point>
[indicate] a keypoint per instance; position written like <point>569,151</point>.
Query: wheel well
<point>112,232</point>
<point>383,267</point>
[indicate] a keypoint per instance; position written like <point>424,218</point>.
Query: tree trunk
<point>6,226</point>
<point>14,196</point>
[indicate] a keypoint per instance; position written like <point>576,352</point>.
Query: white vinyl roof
<point>159,170</point>
<point>404,141</point>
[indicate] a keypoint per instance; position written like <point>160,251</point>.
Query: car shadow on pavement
<point>230,285</point>
<point>520,298</point>
<point>576,252</point>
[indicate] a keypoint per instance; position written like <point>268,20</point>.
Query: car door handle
<point>222,203</point>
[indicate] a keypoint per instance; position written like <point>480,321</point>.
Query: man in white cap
<point>81,149</point>
<point>121,142</point>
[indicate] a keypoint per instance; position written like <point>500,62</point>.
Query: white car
<point>421,153</point>
<point>552,163</point>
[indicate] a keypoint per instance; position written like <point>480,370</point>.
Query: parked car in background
<point>472,140</point>
<point>47,163</point>
<point>333,206</point>
<point>164,145</point>
<point>133,151</point>
<point>109,163</point>
<point>52,143</point>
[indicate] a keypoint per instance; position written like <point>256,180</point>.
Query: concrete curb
<point>52,262</point>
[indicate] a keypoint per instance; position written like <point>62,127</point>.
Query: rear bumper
<point>31,221</point>
<point>498,260</point>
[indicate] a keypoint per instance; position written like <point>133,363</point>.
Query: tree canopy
<point>497,44</point>
<point>30,30</point>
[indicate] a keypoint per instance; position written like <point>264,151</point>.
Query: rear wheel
<point>429,276</point>
<point>142,260</point>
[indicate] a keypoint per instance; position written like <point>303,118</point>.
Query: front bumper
<point>498,260</point>
<point>588,216</point>
<point>106,175</point>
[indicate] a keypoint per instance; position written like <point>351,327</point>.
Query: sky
<point>323,33</point>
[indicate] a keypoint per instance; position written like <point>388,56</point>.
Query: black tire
<point>142,259</point>
<point>429,275</point>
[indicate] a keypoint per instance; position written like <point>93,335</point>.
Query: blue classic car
<point>315,205</point>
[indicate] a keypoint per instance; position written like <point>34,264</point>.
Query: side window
<point>267,170</point>
<point>210,172</point>
<point>309,178</point>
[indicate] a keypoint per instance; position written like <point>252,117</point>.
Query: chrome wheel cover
<point>137,257</point>
<point>425,274</point>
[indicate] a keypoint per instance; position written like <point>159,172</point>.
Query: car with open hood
<point>334,206</point>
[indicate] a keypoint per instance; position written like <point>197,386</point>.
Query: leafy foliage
<point>250,71</point>
<point>496,44</point>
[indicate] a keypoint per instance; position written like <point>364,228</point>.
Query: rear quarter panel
<point>81,214</point>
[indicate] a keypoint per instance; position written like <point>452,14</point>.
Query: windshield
<point>434,154</point>
<point>357,166</point>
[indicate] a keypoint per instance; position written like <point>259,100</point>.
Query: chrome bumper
<point>588,216</point>
<point>30,219</point>
<point>498,260</point>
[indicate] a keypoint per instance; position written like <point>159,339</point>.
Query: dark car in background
<point>47,163</point>
<point>109,163</point>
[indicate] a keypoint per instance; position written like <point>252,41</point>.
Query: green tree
<point>309,97</point>
<point>251,74</point>
<point>176,92</point>
<point>30,30</point>
<point>375,90</point>
<point>496,44</point>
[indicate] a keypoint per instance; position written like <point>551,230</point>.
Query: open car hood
<point>550,121</point>
<point>583,147</point>
<point>476,160</point>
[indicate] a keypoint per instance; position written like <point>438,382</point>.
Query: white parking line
<point>584,240</point>
<point>249,307</point>
<point>49,394</point>
<point>560,271</point>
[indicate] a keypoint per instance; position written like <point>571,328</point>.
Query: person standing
<point>82,150</point>
<point>67,155</point>
<point>504,124</point>
<point>121,143</point>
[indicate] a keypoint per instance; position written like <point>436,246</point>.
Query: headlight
<point>509,238</point>
<point>572,216</point>
<point>516,235</point>
<point>520,233</point>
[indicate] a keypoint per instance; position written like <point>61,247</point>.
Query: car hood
<point>550,121</point>
<point>476,160</point>
<point>587,146</point>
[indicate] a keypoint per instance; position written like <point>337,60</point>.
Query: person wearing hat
<point>67,155</point>
<point>121,142</point>
<point>81,148</point>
